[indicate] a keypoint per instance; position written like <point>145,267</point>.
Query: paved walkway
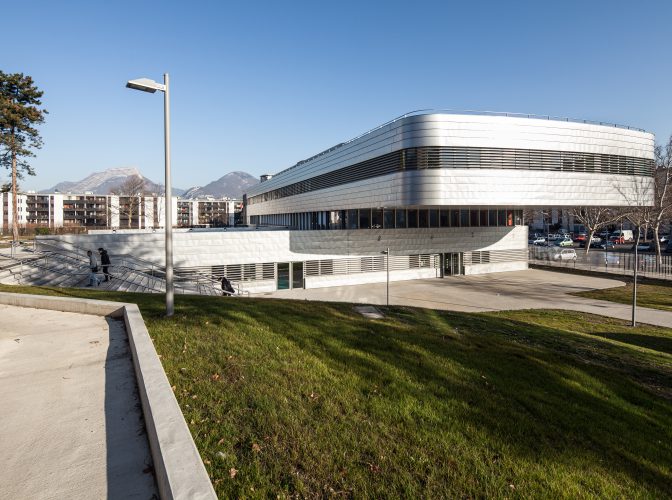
<point>531,289</point>
<point>71,423</point>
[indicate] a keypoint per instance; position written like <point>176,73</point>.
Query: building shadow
<point>130,473</point>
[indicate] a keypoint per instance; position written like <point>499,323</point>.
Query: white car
<point>565,254</point>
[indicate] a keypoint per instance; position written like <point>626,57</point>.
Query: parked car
<point>645,247</point>
<point>567,242</point>
<point>540,240</point>
<point>604,245</point>
<point>580,237</point>
<point>594,242</point>
<point>664,238</point>
<point>565,254</point>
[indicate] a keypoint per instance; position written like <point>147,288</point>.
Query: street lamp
<point>147,85</point>
<point>387,261</point>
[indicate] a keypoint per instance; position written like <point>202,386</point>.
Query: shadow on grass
<point>660,344</point>
<point>431,386</point>
<point>540,401</point>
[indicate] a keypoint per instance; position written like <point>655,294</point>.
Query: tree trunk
<point>15,204</point>
<point>656,236</point>
<point>591,232</point>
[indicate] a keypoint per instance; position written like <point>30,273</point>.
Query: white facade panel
<point>216,248</point>
<point>441,129</point>
<point>469,188</point>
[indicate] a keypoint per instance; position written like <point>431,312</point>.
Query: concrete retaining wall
<point>180,473</point>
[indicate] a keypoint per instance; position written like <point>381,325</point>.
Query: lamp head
<point>146,85</point>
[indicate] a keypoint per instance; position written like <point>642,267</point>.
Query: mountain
<point>103,182</point>
<point>232,185</point>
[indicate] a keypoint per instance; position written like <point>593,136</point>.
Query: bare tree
<point>594,219</point>
<point>662,193</point>
<point>130,194</point>
<point>651,200</point>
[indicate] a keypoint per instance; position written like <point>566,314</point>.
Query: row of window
<point>391,218</point>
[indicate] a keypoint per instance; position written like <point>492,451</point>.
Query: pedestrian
<point>227,289</point>
<point>93,266</point>
<point>105,262</point>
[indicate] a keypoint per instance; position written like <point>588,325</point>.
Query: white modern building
<point>443,191</point>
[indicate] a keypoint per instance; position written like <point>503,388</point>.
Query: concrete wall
<point>376,277</point>
<point>212,248</point>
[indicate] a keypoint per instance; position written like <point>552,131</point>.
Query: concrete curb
<point>179,470</point>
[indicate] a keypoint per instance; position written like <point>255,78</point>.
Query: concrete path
<point>531,289</point>
<point>71,423</point>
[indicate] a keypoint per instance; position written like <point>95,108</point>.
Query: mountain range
<point>231,185</point>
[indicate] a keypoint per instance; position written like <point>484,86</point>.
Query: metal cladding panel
<point>471,188</point>
<point>441,129</point>
<point>193,249</point>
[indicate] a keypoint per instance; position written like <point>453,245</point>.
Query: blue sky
<point>258,86</point>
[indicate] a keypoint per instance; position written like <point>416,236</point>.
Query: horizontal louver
<point>464,157</point>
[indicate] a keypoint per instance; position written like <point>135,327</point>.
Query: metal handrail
<point>34,262</point>
<point>129,262</point>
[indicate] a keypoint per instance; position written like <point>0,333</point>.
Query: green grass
<point>310,399</point>
<point>653,296</point>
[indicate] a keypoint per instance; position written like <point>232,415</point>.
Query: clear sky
<point>258,86</point>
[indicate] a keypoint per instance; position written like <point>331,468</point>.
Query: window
<point>454,218</point>
<point>388,218</point>
<point>444,218</point>
<point>464,218</point>
<point>423,218</point>
<point>376,218</point>
<point>492,218</point>
<point>433,217</point>
<point>364,218</point>
<point>400,216</point>
<point>474,218</point>
<point>484,218</point>
<point>412,218</point>
<point>501,218</point>
<point>352,219</point>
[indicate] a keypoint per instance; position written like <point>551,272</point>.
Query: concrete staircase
<point>36,268</point>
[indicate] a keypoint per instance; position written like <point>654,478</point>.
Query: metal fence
<point>622,263</point>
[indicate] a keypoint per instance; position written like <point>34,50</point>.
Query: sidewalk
<point>531,289</point>
<point>72,424</point>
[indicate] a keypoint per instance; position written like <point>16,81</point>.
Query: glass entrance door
<point>283,276</point>
<point>297,274</point>
<point>453,264</point>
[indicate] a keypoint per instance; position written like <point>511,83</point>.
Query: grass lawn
<point>654,296</point>
<point>290,398</point>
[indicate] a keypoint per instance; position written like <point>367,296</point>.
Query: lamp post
<point>387,261</point>
<point>634,283</point>
<point>147,85</point>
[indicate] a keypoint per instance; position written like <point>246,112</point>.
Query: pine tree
<point>19,114</point>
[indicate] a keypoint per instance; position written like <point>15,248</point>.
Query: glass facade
<point>394,218</point>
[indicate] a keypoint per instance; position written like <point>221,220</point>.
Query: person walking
<point>93,266</point>
<point>105,262</point>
